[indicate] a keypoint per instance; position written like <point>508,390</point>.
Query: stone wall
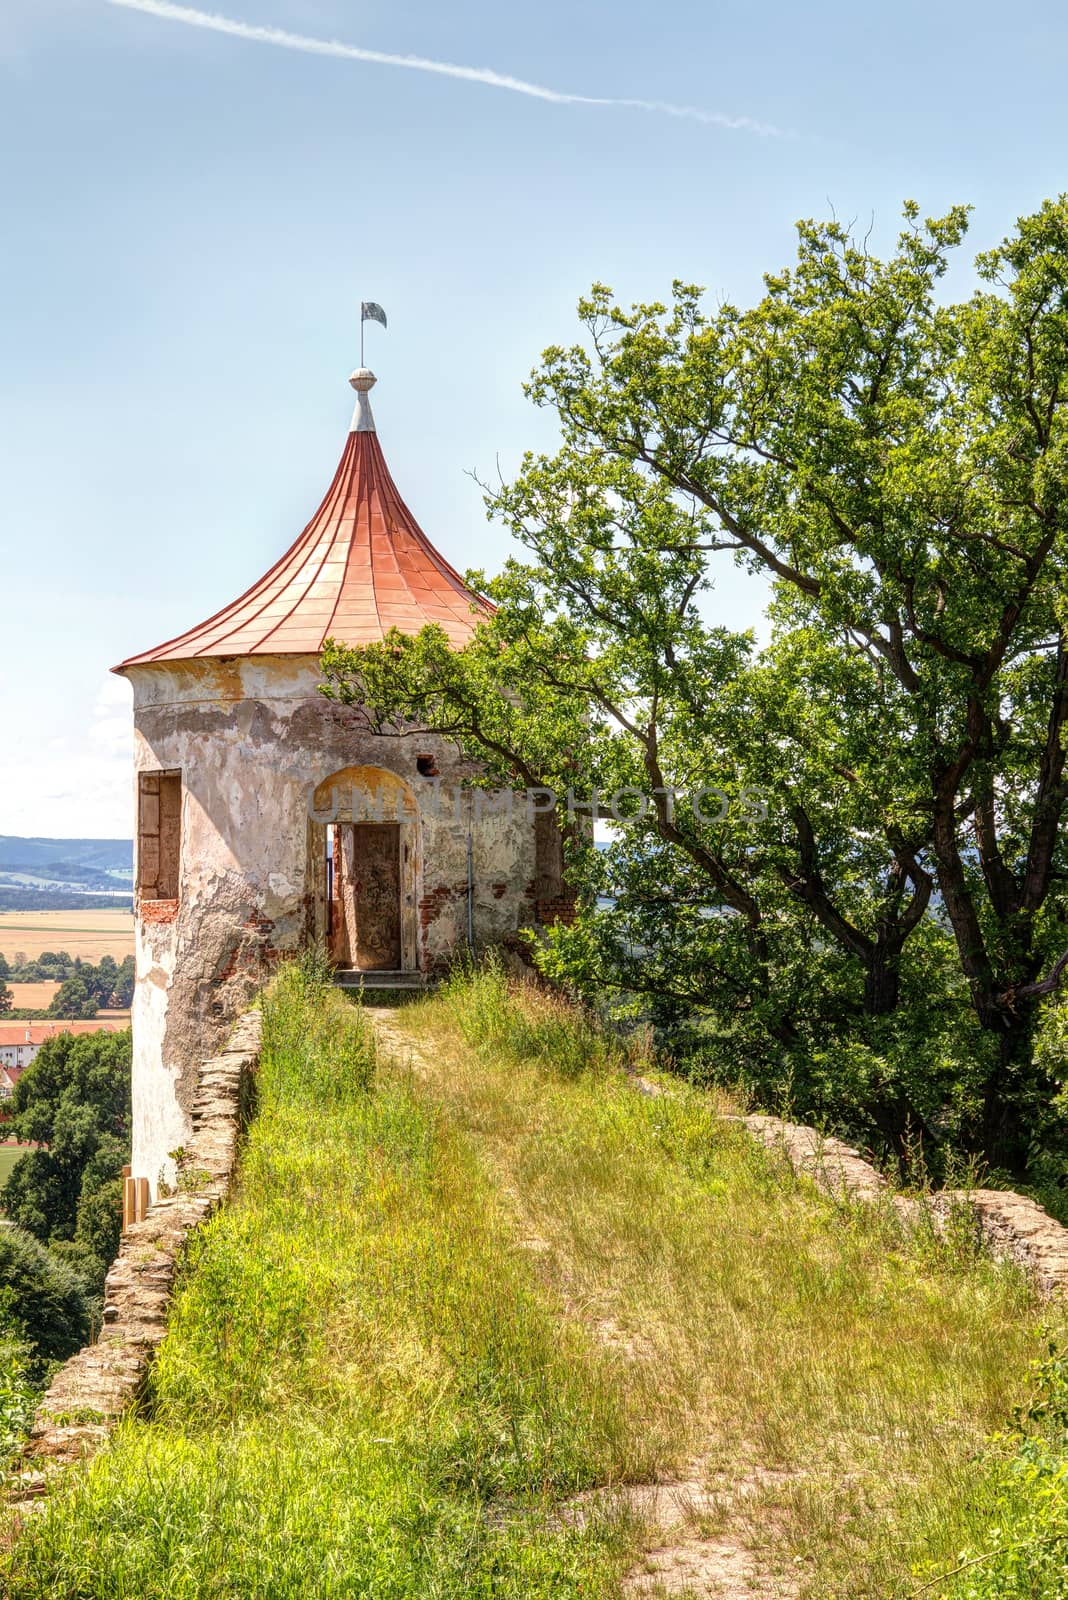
<point>96,1385</point>
<point>1010,1226</point>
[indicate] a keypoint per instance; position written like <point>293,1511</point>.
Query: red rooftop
<point>362,566</point>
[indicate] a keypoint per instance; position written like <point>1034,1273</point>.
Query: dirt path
<point>697,1523</point>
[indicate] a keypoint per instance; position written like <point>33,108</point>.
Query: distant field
<point>38,997</point>
<point>32,996</point>
<point>89,934</point>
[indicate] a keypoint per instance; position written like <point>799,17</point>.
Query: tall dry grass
<point>465,1281</point>
<point>844,1371</point>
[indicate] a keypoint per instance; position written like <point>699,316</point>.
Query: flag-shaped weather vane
<point>370,311</point>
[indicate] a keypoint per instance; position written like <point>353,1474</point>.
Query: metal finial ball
<point>363,379</point>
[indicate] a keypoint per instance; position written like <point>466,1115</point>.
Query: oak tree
<point>894,465</point>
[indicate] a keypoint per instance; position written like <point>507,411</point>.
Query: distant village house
<point>20,1042</point>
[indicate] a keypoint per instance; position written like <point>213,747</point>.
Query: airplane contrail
<point>256,34</point>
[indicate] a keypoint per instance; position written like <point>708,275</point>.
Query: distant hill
<point>64,874</point>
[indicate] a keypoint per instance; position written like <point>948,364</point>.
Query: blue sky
<point>190,220</point>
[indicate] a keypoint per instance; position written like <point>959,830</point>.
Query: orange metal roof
<point>361,567</point>
<point>13,1033</point>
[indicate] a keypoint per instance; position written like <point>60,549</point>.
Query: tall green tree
<point>74,1000</point>
<point>895,467</point>
<point>43,1300</point>
<point>74,1101</point>
<point>101,980</point>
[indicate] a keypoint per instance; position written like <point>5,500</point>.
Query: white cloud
<point>80,786</point>
<point>255,34</point>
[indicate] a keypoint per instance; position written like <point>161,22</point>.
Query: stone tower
<point>269,817</point>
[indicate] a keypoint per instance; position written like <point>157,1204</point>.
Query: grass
<point>9,1155</point>
<point>455,1292</point>
<point>363,1391</point>
<point>851,1372</point>
<point>1020,1504</point>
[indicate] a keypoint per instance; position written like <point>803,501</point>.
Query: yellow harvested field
<point>89,934</point>
<point>32,996</point>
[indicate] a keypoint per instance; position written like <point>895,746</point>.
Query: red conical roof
<point>361,567</point>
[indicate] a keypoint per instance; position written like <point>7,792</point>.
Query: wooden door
<point>370,894</point>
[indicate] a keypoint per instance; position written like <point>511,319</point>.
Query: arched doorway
<point>366,844</point>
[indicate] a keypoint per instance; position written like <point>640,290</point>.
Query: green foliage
<point>19,1391</point>
<point>73,999</point>
<point>7,999</point>
<point>882,877</point>
<point>74,1099</point>
<point>1021,1505</point>
<point>44,1298</point>
<point>51,966</point>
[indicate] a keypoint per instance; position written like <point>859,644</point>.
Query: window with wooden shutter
<point>159,834</point>
<point>548,856</point>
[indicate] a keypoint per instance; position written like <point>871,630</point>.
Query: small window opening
<point>427,767</point>
<point>159,834</point>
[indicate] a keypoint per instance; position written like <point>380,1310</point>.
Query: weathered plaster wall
<point>253,740</point>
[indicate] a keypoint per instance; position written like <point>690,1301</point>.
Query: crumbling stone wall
<point>1010,1226</point>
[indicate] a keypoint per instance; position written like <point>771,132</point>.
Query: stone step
<point>353,978</point>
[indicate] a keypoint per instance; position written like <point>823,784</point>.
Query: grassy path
<point>818,1381</point>
<point>482,1321</point>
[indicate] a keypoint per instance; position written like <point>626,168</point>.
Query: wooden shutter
<point>159,834</point>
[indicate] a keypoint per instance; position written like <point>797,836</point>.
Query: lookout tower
<point>269,817</point>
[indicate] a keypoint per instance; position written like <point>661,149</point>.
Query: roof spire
<point>361,567</point>
<point>363,381</point>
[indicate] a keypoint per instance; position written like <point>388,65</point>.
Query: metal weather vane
<point>370,311</point>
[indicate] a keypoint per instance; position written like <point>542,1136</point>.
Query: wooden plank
<point>377,896</point>
<point>367,933</point>
<point>170,834</point>
<point>342,916</point>
<point>148,865</point>
<point>148,819</point>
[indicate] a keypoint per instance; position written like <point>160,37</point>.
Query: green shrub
<point>46,1298</point>
<point>1021,1548</point>
<point>18,1390</point>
